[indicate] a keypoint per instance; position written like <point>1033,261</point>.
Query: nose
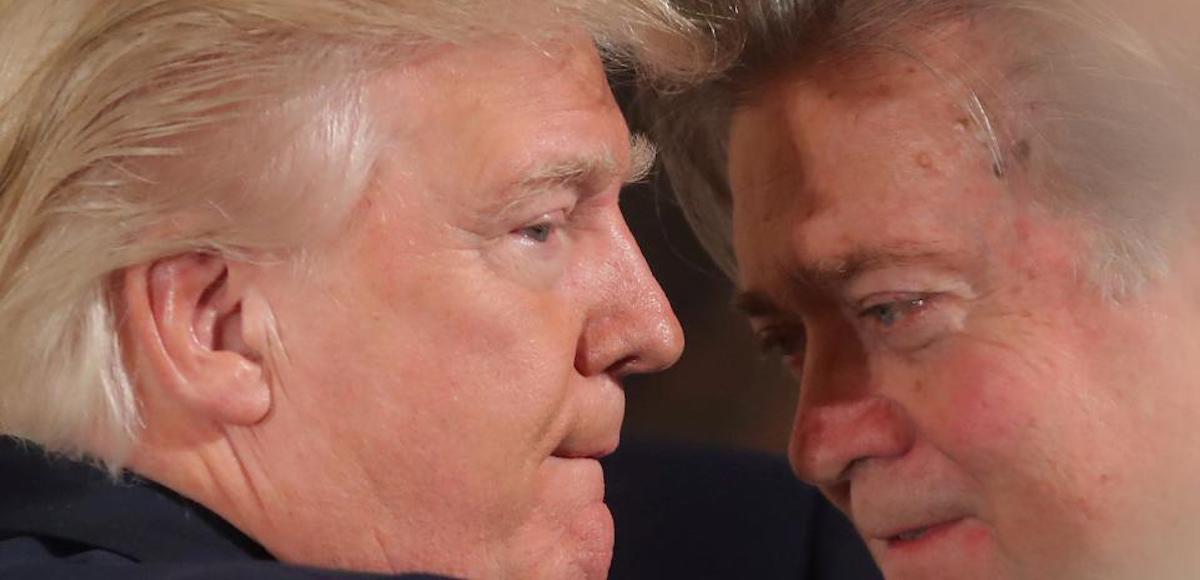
<point>630,327</point>
<point>844,418</point>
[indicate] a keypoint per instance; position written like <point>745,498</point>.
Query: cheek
<point>449,389</point>
<point>449,357</point>
<point>1019,414</point>
<point>978,407</point>
<point>494,360</point>
<point>1029,429</point>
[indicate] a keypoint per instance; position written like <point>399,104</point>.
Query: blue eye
<point>890,313</point>
<point>544,230</point>
<point>539,233</point>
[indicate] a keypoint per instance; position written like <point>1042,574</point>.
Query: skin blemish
<point>924,160</point>
<point>1023,150</point>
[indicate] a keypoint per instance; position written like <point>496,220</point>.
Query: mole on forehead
<point>884,84</point>
<point>909,103</point>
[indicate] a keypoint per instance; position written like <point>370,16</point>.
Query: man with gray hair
<point>970,229</point>
<point>343,284</point>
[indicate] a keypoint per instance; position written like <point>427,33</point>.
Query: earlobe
<point>185,319</point>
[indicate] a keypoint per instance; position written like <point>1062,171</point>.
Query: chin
<point>953,567</point>
<point>593,533</point>
<point>570,533</point>
<point>580,547</point>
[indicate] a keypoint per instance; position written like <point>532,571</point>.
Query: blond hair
<point>104,103</point>
<point>1112,116</point>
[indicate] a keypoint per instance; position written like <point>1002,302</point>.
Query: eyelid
<point>884,298</point>
<point>557,217</point>
<point>537,202</point>
<point>898,281</point>
<point>555,220</point>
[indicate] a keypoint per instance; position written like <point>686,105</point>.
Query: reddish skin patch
<point>924,160</point>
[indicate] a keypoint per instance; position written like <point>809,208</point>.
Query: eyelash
<point>540,232</point>
<point>892,312</point>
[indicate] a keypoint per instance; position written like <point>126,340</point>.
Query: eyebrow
<point>593,169</point>
<point>756,304</point>
<point>641,158</point>
<point>835,273</point>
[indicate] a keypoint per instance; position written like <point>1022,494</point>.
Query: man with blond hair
<point>327,270</point>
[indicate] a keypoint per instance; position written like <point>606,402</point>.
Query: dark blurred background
<point>722,392</point>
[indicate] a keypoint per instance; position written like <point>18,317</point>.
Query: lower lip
<point>960,548</point>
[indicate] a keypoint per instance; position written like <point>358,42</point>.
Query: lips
<point>591,439</point>
<point>915,534</point>
<point>903,513</point>
<point>908,536</point>
<point>594,430</point>
<point>897,523</point>
<point>593,448</point>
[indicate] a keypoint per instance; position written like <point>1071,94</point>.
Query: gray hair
<point>103,103</point>
<point>1111,114</point>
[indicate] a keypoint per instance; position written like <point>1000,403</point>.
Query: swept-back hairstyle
<point>1109,111</point>
<point>136,129</point>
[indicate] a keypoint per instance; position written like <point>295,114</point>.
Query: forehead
<point>500,105</point>
<point>879,156</point>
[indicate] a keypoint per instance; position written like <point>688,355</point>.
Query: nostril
<point>626,366</point>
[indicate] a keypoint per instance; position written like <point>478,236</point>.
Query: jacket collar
<point>48,496</point>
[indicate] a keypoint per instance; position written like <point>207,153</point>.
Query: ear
<point>185,315</point>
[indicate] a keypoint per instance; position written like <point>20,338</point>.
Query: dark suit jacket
<point>701,513</point>
<point>679,514</point>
